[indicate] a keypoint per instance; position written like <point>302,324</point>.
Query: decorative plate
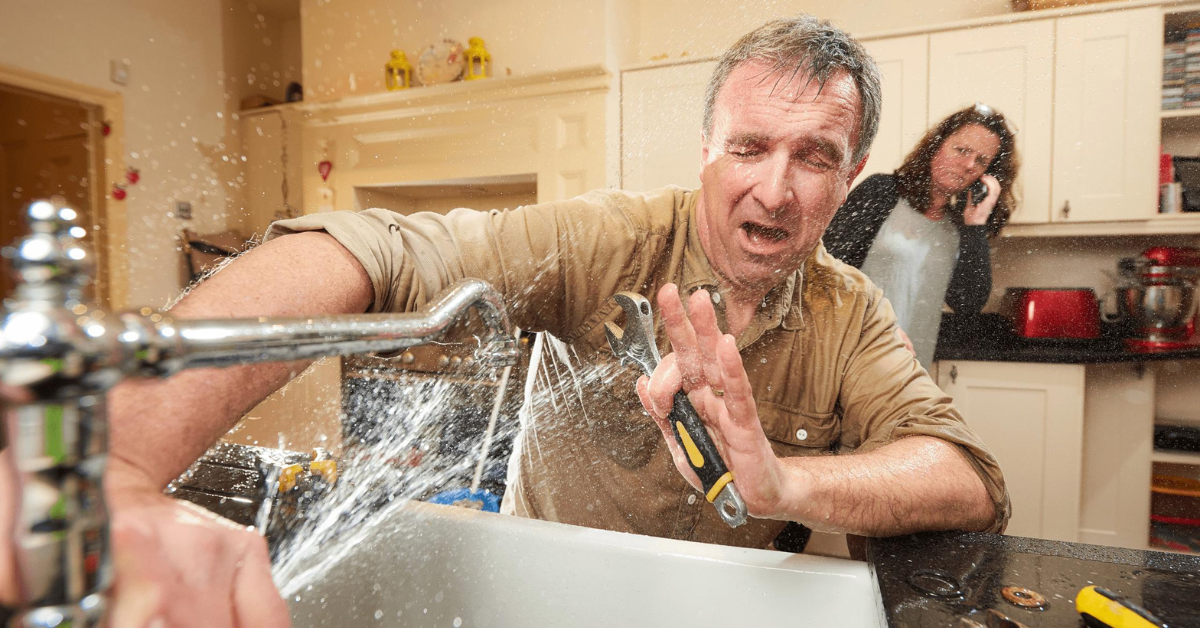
<point>441,63</point>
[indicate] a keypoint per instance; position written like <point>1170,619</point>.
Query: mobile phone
<point>979,191</point>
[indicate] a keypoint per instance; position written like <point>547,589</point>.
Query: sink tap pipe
<point>490,432</point>
<point>171,346</point>
<point>59,355</point>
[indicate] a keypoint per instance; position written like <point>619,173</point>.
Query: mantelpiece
<point>549,125</point>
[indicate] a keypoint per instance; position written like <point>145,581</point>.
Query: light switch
<point>119,71</point>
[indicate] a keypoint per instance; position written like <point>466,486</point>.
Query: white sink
<point>427,565</point>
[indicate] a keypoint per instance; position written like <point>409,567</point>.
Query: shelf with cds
<point>1179,116</point>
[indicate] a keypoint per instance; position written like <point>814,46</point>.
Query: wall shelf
<point>1162,224</point>
<point>1180,113</point>
<point>1175,457</point>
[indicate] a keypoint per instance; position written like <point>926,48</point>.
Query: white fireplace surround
<point>551,126</point>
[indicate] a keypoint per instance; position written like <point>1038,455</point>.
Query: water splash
<point>409,441</point>
<point>406,450</point>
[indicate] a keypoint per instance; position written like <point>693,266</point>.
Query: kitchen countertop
<point>989,338</point>
<point>936,579</point>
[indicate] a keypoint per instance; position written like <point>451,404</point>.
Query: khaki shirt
<point>828,372</point>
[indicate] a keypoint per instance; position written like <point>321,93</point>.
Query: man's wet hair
<point>813,50</point>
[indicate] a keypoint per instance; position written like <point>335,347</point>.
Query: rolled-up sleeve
<point>886,395</point>
<point>554,263</point>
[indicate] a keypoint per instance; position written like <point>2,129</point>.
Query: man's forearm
<point>914,484</point>
<point>160,427</point>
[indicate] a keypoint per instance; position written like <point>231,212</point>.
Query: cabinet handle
<point>953,373</point>
<point>1066,209</point>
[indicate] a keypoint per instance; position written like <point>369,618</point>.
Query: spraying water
<point>407,449</point>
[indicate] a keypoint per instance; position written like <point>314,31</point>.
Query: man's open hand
<point>706,364</point>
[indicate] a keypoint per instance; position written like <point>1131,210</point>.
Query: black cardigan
<point>857,223</point>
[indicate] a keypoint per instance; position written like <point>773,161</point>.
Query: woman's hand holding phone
<point>979,209</point>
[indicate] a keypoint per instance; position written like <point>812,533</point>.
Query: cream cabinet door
<point>266,158</point>
<point>1009,67</point>
<point>1118,442</point>
<point>661,112</point>
<point>1108,72</point>
<point>1031,417</point>
<point>904,64</point>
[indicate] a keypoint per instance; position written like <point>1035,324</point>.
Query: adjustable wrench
<point>635,346</point>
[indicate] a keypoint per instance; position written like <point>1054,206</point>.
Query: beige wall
<point>261,48</point>
<point>175,110</point>
<point>706,27</point>
<point>346,45</point>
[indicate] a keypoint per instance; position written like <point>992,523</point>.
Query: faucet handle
<point>52,253</point>
<point>498,349</point>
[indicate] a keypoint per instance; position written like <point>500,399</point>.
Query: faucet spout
<point>168,346</point>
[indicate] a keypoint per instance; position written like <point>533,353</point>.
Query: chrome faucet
<point>59,355</point>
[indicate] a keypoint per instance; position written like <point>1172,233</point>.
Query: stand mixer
<point>1158,298</point>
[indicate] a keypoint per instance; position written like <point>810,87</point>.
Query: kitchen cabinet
<point>1108,69</point>
<point>904,65</point>
<point>662,109</point>
<point>1082,92</point>
<point>1118,442</point>
<point>661,115</point>
<point>1009,67</point>
<point>1081,88</point>
<point>271,142</point>
<point>1031,417</point>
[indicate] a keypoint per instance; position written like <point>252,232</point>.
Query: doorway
<point>51,146</point>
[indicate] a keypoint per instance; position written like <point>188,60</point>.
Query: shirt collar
<point>780,307</point>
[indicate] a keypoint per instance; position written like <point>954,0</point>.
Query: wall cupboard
<point>1082,91</point>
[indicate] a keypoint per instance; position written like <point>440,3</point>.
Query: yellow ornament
<point>479,60</point>
<point>397,72</point>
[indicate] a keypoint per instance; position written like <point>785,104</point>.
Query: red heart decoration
<point>324,167</point>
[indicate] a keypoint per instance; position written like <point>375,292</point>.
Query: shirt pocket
<point>794,432</point>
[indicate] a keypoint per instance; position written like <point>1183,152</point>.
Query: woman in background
<point>921,234</point>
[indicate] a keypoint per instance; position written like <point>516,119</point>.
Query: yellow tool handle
<point>1102,608</point>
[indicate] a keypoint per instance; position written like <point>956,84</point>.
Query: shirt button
<point>691,499</point>
<point>802,434</point>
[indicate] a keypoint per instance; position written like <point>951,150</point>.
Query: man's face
<point>775,168</point>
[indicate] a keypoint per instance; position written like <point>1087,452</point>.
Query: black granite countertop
<point>937,579</point>
<point>990,338</point>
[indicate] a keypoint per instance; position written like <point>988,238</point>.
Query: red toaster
<point>1053,313</point>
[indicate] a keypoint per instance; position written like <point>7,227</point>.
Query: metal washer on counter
<point>1025,598</point>
<point>936,583</point>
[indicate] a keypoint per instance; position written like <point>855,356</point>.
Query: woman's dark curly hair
<point>913,178</point>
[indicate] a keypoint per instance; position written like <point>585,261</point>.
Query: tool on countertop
<point>635,346</point>
<point>270,489</point>
<point>1102,608</point>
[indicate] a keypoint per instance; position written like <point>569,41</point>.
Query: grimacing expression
<point>962,158</point>
<point>776,165</point>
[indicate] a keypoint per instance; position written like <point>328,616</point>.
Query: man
<point>809,365</point>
